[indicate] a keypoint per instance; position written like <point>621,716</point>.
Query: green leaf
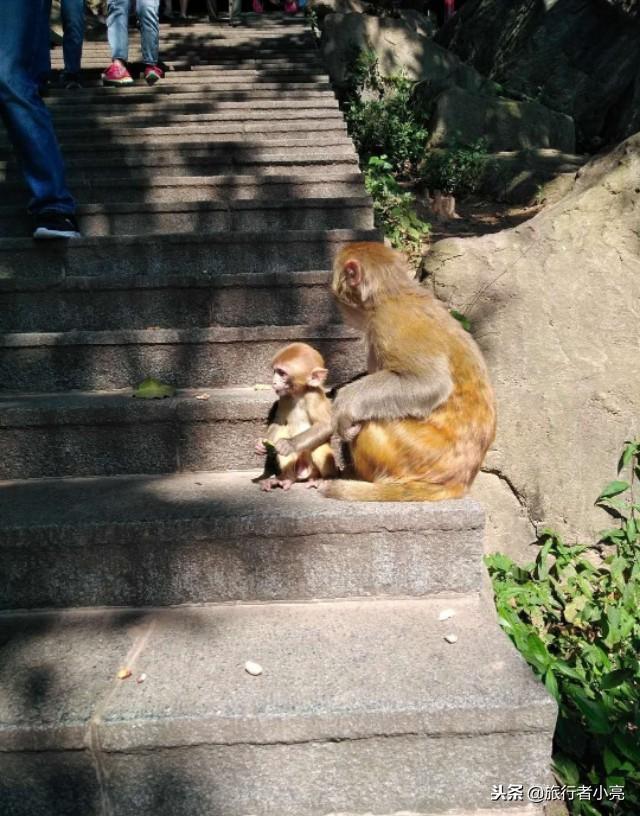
<point>566,770</point>
<point>613,489</point>
<point>615,678</point>
<point>567,670</point>
<point>611,761</point>
<point>552,684</point>
<point>628,746</point>
<point>153,389</point>
<point>462,319</point>
<point>536,653</point>
<point>595,714</point>
<point>630,450</point>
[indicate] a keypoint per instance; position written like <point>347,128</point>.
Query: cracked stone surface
<point>555,306</point>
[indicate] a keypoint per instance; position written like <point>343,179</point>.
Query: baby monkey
<point>302,410</point>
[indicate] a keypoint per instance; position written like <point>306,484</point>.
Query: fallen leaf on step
<point>124,673</point>
<point>141,678</point>
<point>203,396</point>
<point>451,638</point>
<point>153,389</point>
<point>253,668</point>
<point>261,387</point>
<point>446,614</point>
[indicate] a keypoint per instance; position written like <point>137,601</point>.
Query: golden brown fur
<point>426,409</point>
<point>299,372</point>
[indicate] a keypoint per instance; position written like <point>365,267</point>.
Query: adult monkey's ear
<point>353,273</point>
<point>317,377</point>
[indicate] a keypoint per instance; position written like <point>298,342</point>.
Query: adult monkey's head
<point>367,271</point>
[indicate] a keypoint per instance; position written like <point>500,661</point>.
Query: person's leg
<point>73,28</point>
<point>235,7</point>
<point>212,10</point>
<point>117,29</point>
<point>41,54</point>
<point>149,30</point>
<point>24,114</point>
<point>117,73</point>
<point>184,5</point>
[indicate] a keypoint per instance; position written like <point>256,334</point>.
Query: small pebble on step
<point>253,668</point>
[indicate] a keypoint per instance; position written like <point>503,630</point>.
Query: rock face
<point>555,305</point>
<point>465,104</point>
<point>579,58</point>
<point>400,45</point>
<point>504,123</point>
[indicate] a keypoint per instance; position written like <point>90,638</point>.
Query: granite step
<point>206,216</point>
<point>109,301</point>
<point>315,182</point>
<point>203,162</point>
<point>73,434</point>
<point>145,257</point>
<point>361,707</point>
<point>182,84</point>
<point>158,540</point>
<point>122,102</point>
<point>225,112</point>
<point>216,78</point>
<point>186,358</point>
<point>208,131</point>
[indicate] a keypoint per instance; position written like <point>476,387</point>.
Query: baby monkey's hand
<point>260,448</point>
<point>284,447</point>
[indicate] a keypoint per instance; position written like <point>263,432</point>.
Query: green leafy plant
<point>382,117</point>
<point>574,615</point>
<point>394,209</point>
<point>458,170</point>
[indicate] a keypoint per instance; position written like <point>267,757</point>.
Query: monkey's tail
<point>351,490</point>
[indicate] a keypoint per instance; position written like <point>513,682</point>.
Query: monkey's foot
<point>315,483</point>
<point>268,484</point>
<point>285,484</point>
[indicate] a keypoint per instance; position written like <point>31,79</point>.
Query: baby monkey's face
<point>282,382</point>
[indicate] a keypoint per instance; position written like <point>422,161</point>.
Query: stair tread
<point>331,671</point>
<point>341,202</point>
<point>209,497</point>
<point>25,409</point>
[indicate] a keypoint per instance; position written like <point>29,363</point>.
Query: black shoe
<point>54,224</point>
<point>70,81</point>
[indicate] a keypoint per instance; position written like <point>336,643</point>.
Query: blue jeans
<point>117,26</point>
<point>24,114</point>
<point>73,29</point>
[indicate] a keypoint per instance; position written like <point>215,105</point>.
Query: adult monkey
<point>420,422</point>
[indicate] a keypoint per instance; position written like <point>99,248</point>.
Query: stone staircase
<point>131,534</point>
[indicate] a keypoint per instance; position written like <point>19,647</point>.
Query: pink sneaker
<point>290,7</point>
<point>152,73</point>
<point>116,74</point>
<point>257,6</point>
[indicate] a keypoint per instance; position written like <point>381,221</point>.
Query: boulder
<point>400,46</point>
<point>324,7</point>
<point>555,306</point>
<point>462,116</point>
<point>579,58</point>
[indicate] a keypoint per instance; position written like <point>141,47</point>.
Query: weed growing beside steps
<point>388,124</point>
<point>576,620</point>
<point>394,210</point>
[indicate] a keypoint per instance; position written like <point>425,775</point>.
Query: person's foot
<point>116,74</point>
<point>54,224</point>
<point>234,21</point>
<point>70,81</point>
<point>257,6</point>
<point>290,7</point>
<point>152,73</point>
